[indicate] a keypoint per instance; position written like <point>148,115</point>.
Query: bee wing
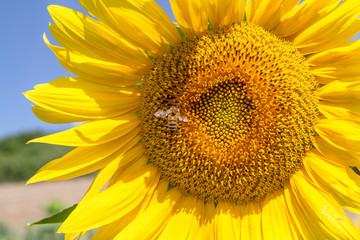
<point>162,113</point>
<point>183,119</point>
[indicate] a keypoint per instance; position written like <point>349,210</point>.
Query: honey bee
<point>173,115</point>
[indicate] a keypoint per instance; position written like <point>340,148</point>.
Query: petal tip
<point>52,8</point>
<point>31,180</point>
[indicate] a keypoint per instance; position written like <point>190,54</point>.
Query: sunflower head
<point>250,100</point>
<point>241,121</point>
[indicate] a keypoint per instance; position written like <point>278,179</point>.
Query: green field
<point>39,232</point>
<point>19,161</point>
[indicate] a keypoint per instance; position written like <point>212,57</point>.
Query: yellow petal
<point>336,154</point>
<point>251,221</point>
<point>191,15</point>
<point>49,116</point>
<point>335,180</point>
<point>95,70</point>
<point>112,203</point>
<point>350,110</point>
<point>94,132</point>
<point>317,214</point>
<point>131,164</point>
<point>342,133</point>
<point>340,92</point>
<point>303,16</point>
<point>71,236</point>
<point>111,230</point>
<point>87,86</point>
<point>225,12</point>
<point>226,222</point>
<point>87,160</point>
<point>337,64</point>
<point>90,7</point>
<point>276,222</point>
<point>267,13</point>
<point>341,99</point>
<point>197,227</point>
<point>332,31</point>
<point>148,224</point>
<point>141,22</point>
<point>206,223</point>
<point>338,110</point>
<point>80,33</point>
<point>183,216</point>
<point>121,163</point>
<point>80,98</point>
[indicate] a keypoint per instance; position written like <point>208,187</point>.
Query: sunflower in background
<point>239,121</point>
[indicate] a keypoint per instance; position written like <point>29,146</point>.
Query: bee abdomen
<point>172,125</point>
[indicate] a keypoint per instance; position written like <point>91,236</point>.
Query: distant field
<point>19,161</point>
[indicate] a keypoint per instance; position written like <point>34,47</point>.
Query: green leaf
<point>149,161</point>
<point>57,218</point>
<point>151,57</point>
<point>356,170</point>
<point>182,34</point>
<point>167,46</point>
<point>171,186</point>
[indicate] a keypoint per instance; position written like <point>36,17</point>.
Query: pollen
<point>249,100</point>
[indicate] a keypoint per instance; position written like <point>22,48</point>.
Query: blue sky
<point>26,60</point>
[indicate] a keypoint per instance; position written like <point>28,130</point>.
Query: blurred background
<point>25,62</point>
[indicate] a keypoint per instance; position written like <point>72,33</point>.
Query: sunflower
<point>239,121</point>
